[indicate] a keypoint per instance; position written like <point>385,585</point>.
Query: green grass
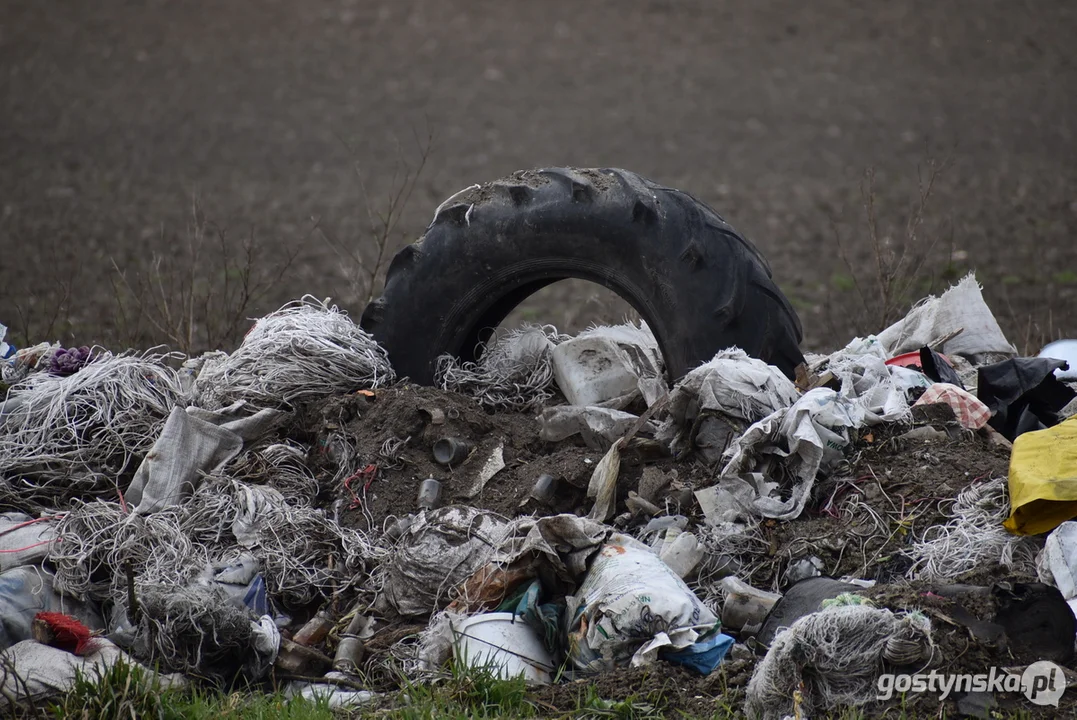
<point>1065,277</point>
<point>132,693</point>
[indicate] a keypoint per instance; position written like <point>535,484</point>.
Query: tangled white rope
<point>68,437</point>
<point>973,537</point>
<point>514,373</point>
<point>304,351</point>
<point>837,653</point>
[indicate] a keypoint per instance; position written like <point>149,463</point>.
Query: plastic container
<point>429,494</point>
<point>544,489</point>
<point>504,644</point>
<point>451,451</point>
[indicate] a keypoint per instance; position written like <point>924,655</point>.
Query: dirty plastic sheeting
<point>960,308</point>
<point>732,385</point>
<point>28,590</point>
<point>1059,562</point>
<point>192,442</point>
<point>24,540</point>
<point>790,447</point>
<point>36,672</point>
<point>628,594</point>
<point>563,421</point>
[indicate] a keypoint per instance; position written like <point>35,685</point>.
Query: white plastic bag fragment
<point>962,307</point>
<point>335,697</point>
<point>732,384</point>
<point>603,485</point>
<point>867,380</point>
<point>193,442</point>
<point>680,550</point>
<point>32,672</point>
<point>783,453</point>
<point>6,350</point>
<point>630,607</point>
<point>24,592</point>
<point>563,421</point>
<point>495,463</point>
<point>24,540</point>
<point>1060,559</point>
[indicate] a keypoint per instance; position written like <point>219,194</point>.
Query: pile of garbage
<point>291,514</point>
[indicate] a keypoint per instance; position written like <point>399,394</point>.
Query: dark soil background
<point>116,115</point>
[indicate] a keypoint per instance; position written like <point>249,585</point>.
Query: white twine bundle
<point>193,629</point>
<point>96,540</point>
<point>973,538</point>
<point>515,371</point>
<point>304,351</point>
<point>732,546</point>
<point>303,553</point>
<point>281,465</point>
<point>68,437</point>
<point>837,653</point>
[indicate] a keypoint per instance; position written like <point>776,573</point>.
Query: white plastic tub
<point>509,649</point>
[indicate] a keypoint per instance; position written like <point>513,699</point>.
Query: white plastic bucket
<point>507,648</point>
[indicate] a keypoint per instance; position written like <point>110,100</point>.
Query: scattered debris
<point>216,520</point>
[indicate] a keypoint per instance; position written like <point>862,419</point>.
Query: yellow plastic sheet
<point>1043,479</point>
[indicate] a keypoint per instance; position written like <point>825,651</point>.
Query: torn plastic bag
<point>603,484</point>
<point>961,307</point>
<point>24,592</point>
<point>1060,561</point>
<point>6,350</point>
<point>193,442</point>
<point>1023,394</point>
<point>330,695</point>
<point>867,380</point>
<point>777,459</point>
<point>732,384</point>
<point>1043,479</point>
<point>241,581</point>
<point>34,672</point>
<point>592,423</point>
<point>24,540</point>
<point>438,552</point>
<point>630,608</point>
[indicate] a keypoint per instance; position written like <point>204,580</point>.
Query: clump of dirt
<point>387,438</point>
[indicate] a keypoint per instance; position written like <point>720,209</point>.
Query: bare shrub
<point>201,295</point>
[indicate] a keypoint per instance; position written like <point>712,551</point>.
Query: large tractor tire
<point>699,285</point>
